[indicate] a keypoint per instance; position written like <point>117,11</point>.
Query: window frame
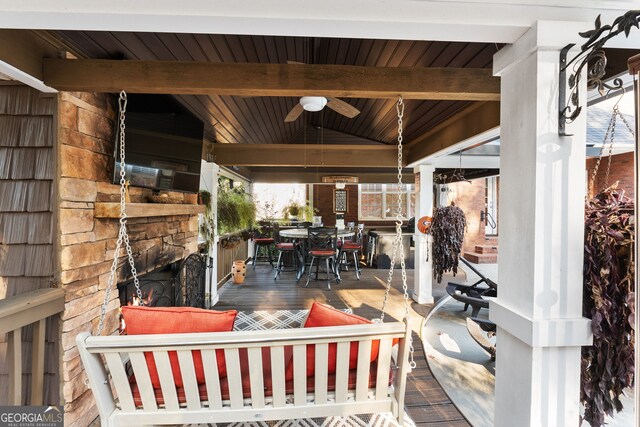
<point>408,191</point>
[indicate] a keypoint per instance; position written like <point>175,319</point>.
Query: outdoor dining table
<point>301,253</point>
<point>302,233</point>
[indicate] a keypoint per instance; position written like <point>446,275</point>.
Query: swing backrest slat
<point>300,381</point>
<point>167,383</point>
<point>278,382</point>
<point>256,377</point>
<point>189,382</point>
<point>342,371</point>
<point>362,373</point>
<point>212,379</point>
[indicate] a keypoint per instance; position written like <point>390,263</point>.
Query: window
<point>379,201</point>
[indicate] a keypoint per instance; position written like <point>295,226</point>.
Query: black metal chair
<point>322,242</point>
<point>264,243</point>
<point>285,249</point>
<point>351,249</point>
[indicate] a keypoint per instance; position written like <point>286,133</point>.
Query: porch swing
<point>249,376</point>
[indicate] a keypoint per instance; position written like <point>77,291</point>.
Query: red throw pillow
<point>325,315</point>
<point>178,320</point>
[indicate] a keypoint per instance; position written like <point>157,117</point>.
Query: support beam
<point>423,274</point>
<point>205,78</point>
<point>469,122</point>
<point>300,155</point>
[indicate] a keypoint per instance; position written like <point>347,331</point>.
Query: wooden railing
<point>226,256</point>
<point>32,307</point>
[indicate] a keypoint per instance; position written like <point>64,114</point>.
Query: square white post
<point>209,182</point>
<point>539,306</point>
<point>423,272</point>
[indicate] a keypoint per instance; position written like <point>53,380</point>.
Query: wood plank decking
<point>426,401</point>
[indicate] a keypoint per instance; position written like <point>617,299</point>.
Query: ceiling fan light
<point>313,103</point>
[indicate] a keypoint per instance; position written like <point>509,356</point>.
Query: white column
<point>423,271</point>
<point>539,306</point>
<point>209,182</point>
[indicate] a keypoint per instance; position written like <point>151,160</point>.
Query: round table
<point>301,233</point>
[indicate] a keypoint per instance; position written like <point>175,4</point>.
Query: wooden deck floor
<point>426,402</point>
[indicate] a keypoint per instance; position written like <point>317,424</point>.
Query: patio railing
<point>32,307</point>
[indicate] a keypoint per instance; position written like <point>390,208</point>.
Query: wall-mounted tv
<point>163,144</point>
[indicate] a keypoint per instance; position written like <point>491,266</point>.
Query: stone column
<point>209,182</point>
<point>423,271</point>
<point>539,306</point>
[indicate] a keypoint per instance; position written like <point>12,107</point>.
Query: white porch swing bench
<point>259,384</point>
<point>370,391</point>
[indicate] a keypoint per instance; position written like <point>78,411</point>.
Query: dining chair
<point>285,249</point>
<point>351,249</point>
<point>322,242</point>
<point>264,243</point>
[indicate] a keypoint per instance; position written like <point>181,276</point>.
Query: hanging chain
<point>608,137</point>
<point>122,233</point>
<point>397,242</point>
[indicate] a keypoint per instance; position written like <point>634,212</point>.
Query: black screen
<point>163,144</point>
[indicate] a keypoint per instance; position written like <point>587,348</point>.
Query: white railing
<point>32,307</point>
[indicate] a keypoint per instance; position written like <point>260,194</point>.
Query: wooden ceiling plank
<point>472,121</point>
<point>186,77</point>
<point>305,155</point>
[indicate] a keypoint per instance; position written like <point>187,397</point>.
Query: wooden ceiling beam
<point>300,155</point>
<point>463,125</point>
<point>306,176</point>
<point>242,79</point>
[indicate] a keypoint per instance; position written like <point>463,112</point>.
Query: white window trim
<point>407,192</point>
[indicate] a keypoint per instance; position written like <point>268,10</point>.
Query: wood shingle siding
<point>27,169</point>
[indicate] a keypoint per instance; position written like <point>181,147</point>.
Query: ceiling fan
<point>317,103</point>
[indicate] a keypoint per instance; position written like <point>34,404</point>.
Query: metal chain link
<point>608,136</point>
<point>397,243</point>
<point>122,233</point>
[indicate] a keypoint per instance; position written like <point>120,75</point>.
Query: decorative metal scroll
<point>591,56</point>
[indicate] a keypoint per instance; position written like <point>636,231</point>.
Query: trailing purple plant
<point>447,229</point>
<point>608,299</point>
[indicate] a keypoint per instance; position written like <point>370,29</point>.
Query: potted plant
<point>236,210</point>
<point>291,211</point>
<point>447,229</point>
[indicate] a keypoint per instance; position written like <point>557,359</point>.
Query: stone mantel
<point>143,210</point>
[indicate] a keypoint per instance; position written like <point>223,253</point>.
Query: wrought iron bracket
<point>592,57</point>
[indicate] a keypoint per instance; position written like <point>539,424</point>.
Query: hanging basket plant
<point>447,229</point>
<point>608,299</point>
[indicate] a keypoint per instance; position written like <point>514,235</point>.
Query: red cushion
<point>178,320</point>
<point>325,315</point>
<point>351,245</point>
<point>321,252</point>
<point>264,240</point>
<point>285,246</point>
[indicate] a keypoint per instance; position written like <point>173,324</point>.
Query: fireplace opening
<point>178,284</point>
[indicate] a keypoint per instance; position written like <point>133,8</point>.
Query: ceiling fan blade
<point>342,107</point>
<point>294,113</point>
